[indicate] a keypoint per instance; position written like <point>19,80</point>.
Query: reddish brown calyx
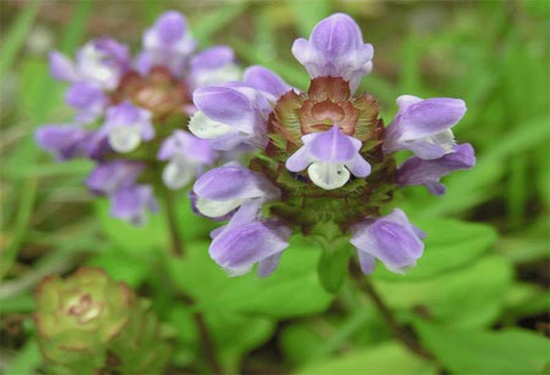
<point>328,102</point>
<point>159,92</point>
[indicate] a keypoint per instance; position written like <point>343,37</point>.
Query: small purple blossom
<point>416,171</point>
<point>391,239</point>
<point>266,81</point>
<point>335,49</point>
<point>213,66</point>
<point>109,177</point>
<point>101,61</point>
<point>423,126</point>
<point>131,203</point>
<point>248,239</point>
<point>64,141</point>
<point>127,126</point>
<point>230,115</point>
<point>88,98</point>
<point>331,156</point>
<point>168,43</point>
<point>188,156</point>
<point>223,189</point>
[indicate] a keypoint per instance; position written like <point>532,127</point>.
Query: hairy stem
<point>176,244</point>
<point>400,333</point>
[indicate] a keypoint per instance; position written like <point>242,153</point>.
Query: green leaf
<point>236,335</point>
<point>206,26</point>
<point>388,358</point>
<point>27,359</point>
<point>233,335</point>
<point>16,36</point>
<point>466,351</point>
<point>308,13</point>
<point>468,297</point>
<point>152,235</point>
<point>449,244</point>
<point>333,266</point>
<point>292,290</point>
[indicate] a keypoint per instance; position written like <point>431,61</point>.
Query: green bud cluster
<point>91,324</point>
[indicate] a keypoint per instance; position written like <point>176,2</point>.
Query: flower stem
<point>400,333</point>
<point>207,343</point>
<point>176,244</point>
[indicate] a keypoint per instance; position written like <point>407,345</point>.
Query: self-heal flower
<point>108,177</point>
<point>127,126</point>
<point>423,126</point>
<point>131,203</point>
<point>88,98</point>
<point>213,66</point>
<point>167,43</point>
<point>188,156</point>
<point>101,61</point>
<point>222,190</point>
<point>248,239</point>
<point>335,49</point>
<point>416,171</point>
<point>64,141</point>
<point>391,239</point>
<point>331,156</point>
<point>230,115</point>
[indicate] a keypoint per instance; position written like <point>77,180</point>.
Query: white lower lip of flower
<point>444,139</point>
<point>229,72</point>
<point>177,175</point>
<point>213,208</point>
<point>205,128</point>
<point>124,138</point>
<point>328,176</point>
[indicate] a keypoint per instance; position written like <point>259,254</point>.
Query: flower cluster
<point>324,162</point>
<point>131,114</point>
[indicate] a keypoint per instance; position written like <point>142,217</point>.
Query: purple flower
<point>187,155</point>
<point>126,126</point>
<point>247,239</point>
<point>213,66</point>
<point>88,98</point>
<point>331,156</point>
<point>266,81</point>
<point>424,126</point>
<point>101,61</point>
<point>416,171</point>
<point>391,239</point>
<point>64,141</point>
<point>131,203</point>
<point>107,178</point>
<point>335,49</point>
<point>230,115</point>
<point>223,189</point>
<point>167,44</point>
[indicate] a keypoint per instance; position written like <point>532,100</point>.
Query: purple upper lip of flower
<point>423,126</point>
<point>335,49</point>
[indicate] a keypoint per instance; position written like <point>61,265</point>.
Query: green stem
<point>176,243</point>
<point>207,343</point>
<point>399,332</point>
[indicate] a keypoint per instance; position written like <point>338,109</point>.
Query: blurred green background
<point>478,299</point>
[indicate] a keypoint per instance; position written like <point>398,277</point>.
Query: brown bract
<point>158,92</point>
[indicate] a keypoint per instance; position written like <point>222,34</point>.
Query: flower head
<point>326,154</point>
<point>142,107</point>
